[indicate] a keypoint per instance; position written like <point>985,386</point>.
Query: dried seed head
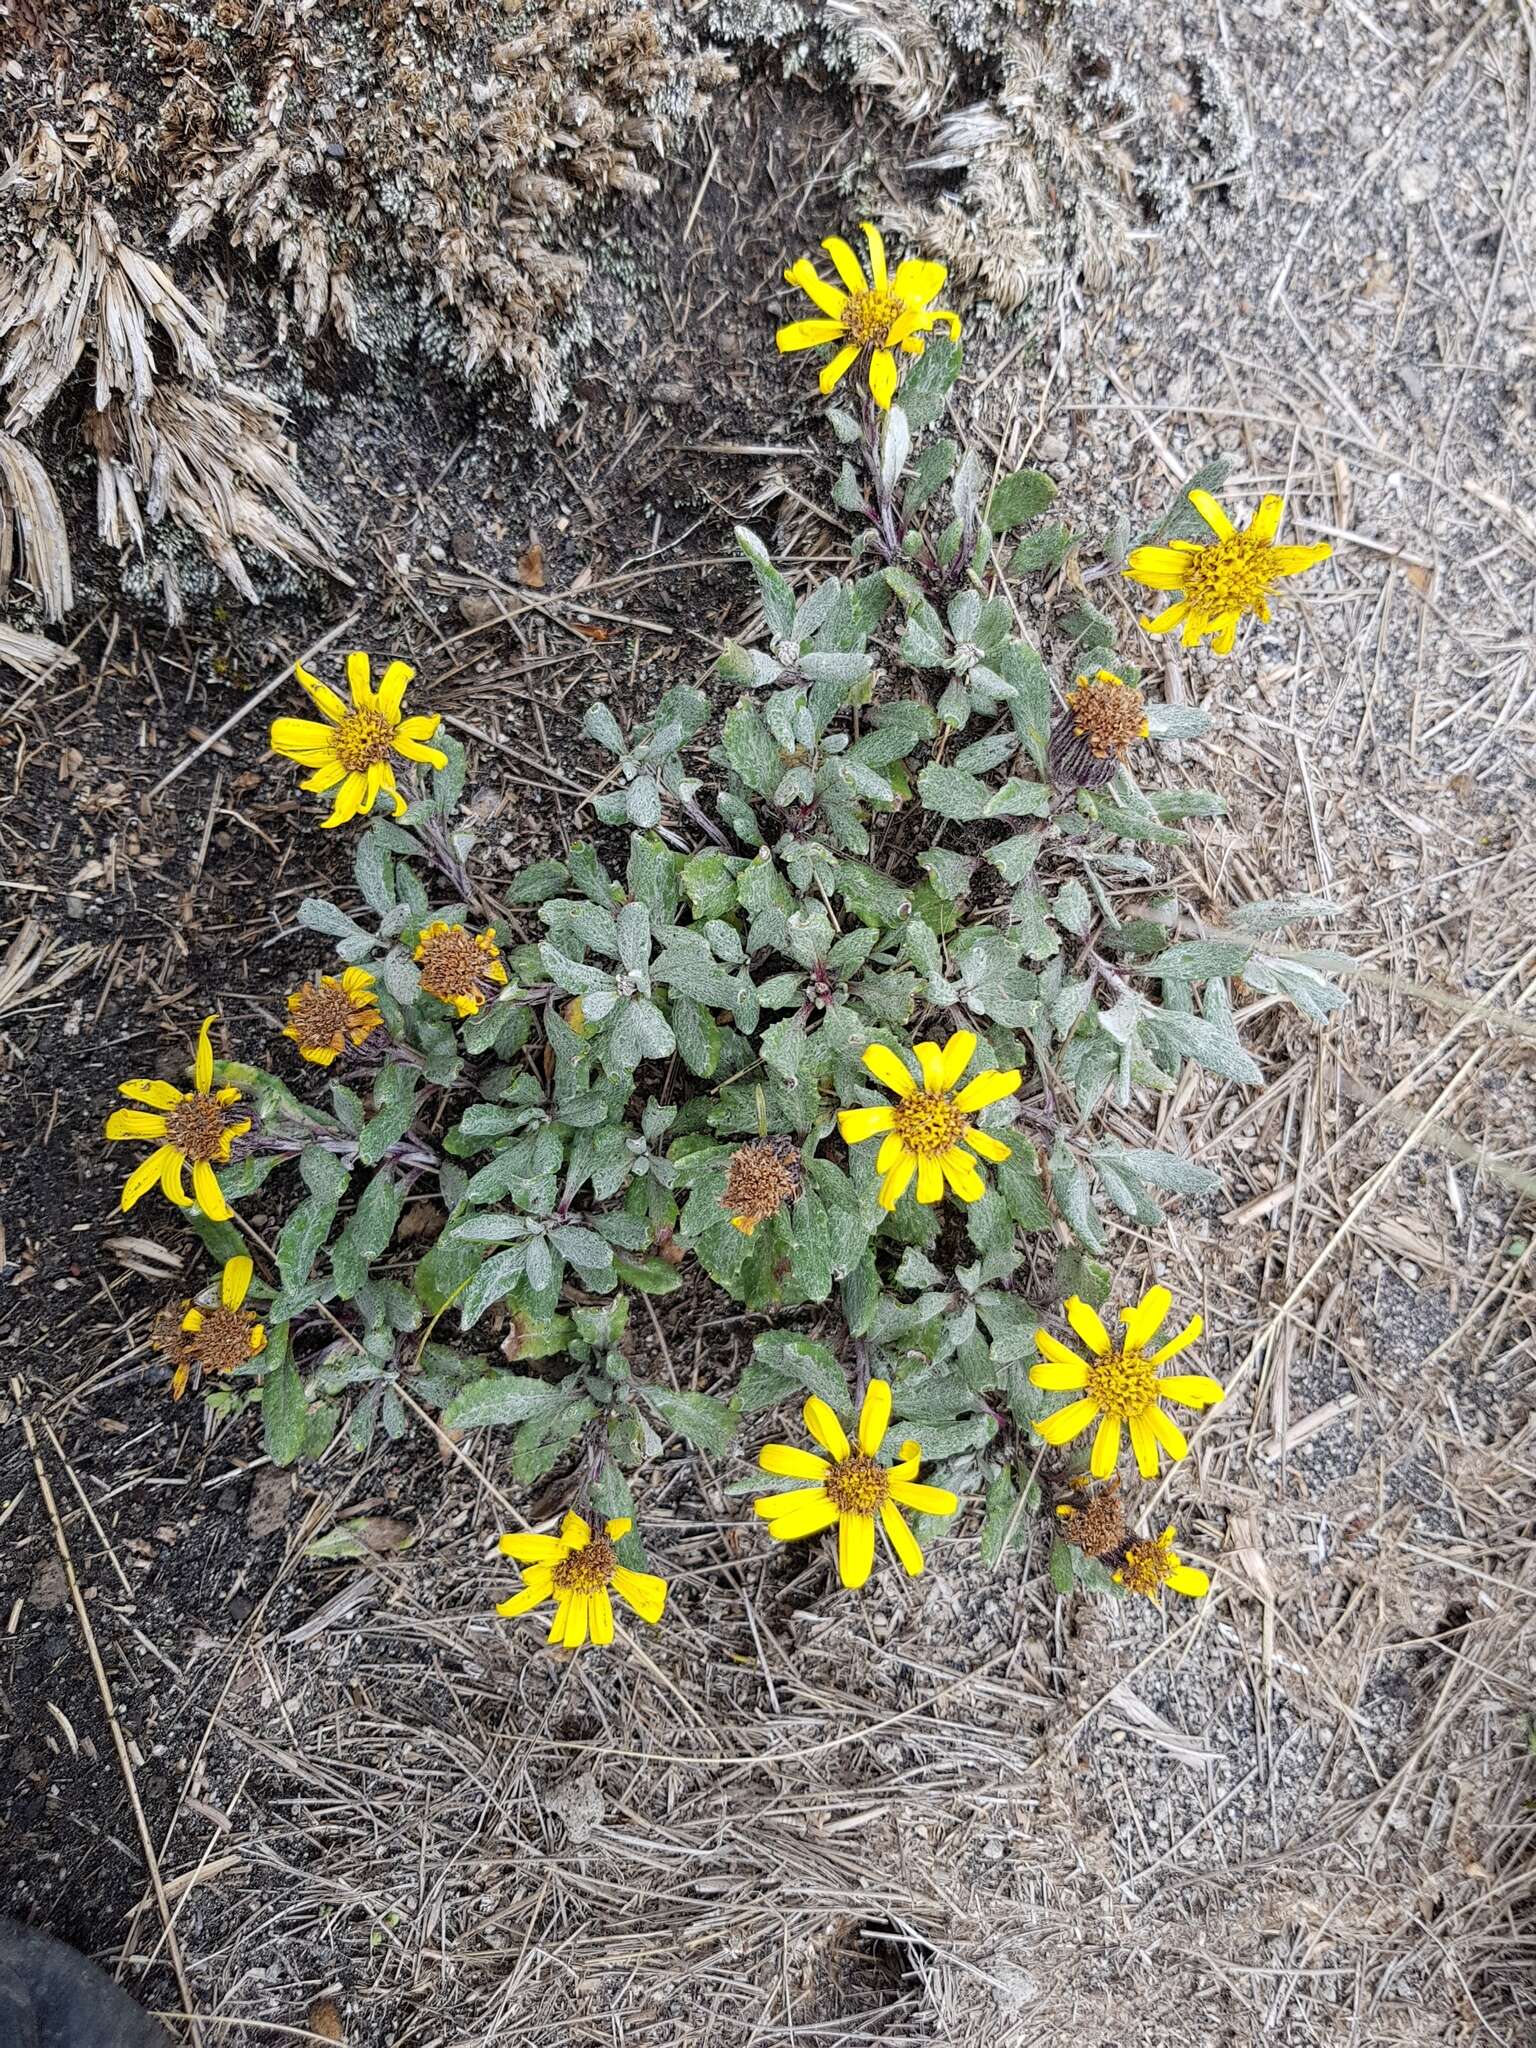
<point>196,1126</point>
<point>761,1178</point>
<point>1094,732</point>
<point>1098,1525</point>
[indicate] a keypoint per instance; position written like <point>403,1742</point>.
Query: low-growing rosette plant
<point>858,1007</point>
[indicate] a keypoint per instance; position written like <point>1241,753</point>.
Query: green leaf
<point>1041,550</point>
<point>998,1520</point>
<point>1069,1187</point>
<point>501,1398</point>
<point>709,1425</point>
<point>284,1414</point>
<point>1060,1566</point>
<point>805,1363</point>
<point>778,598</point>
<point>1019,497</point>
<point>1201,959</point>
<point>697,1034</point>
<point>1168,1170</point>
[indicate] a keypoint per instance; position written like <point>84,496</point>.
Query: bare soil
<point>954,1809</point>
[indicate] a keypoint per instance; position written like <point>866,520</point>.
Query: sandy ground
<point>953,1810</point>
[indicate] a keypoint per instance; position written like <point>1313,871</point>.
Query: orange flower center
<point>928,1124</point>
<point>857,1486</point>
<point>587,1570</point>
<point>869,317</point>
<point>363,739</point>
<point>1230,575</point>
<point>761,1178</point>
<point>324,1014</point>
<point>1146,1567</point>
<point>224,1339</point>
<point>196,1126</point>
<point>1123,1384</point>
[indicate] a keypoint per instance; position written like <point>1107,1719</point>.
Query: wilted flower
<point>459,966</point>
<point>1095,729</point>
<point>331,1013</point>
<point>223,1337</point>
<point>1149,1566</point>
<point>1098,1525</point>
<point>760,1179</point>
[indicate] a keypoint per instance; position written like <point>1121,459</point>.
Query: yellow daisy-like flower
<point>1122,1385</point>
<point>926,1132</point>
<point>1148,1567</point>
<point>575,1569</point>
<point>1222,580</point>
<point>459,966</point>
<point>356,752</point>
<point>332,1013</point>
<point>193,1130</point>
<point>851,1488</point>
<point>875,315</point>
<point>224,1336</point>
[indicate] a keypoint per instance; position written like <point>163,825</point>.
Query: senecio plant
<point>858,1010</point>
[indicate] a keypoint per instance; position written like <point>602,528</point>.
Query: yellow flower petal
<point>1192,1390</point>
<point>1143,1322</point>
<point>808,278</point>
<point>1052,1347</point>
<point>919,280</point>
<point>808,1519</point>
<point>158,1094</point>
<point>562,1613</point>
<point>984,1143</point>
<point>1188,1578</point>
<point>989,1086</point>
<point>618,1527</point>
<point>1166,1431</point>
<point>959,1170</point>
<point>855,1549</point>
<point>521,1603</point>
<point>171,1184</point>
<point>888,1070</point>
<point>202,1063</point>
<point>897,1181</point>
<point>575,1534</point>
<point>303,740</point>
<point>325,700</point>
<point>1181,1342</point>
<point>416,750</point>
<point>1058,1376</point>
<point>600,1615</point>
<point>1171,616</point>
<point>360,681</point>
<point>1067,1423</point>
<point>142,1179</point>
<point>855,1125</point>
<point>645,1592</point>
<point>799,334</point>
<point>931,1062</point>
<point>874,1417</point>
<point>324,778</point>
<point>845,263</point>
<point>1143,1445</point>
<point>833,373</point>
<point>235,1280</point>
<point>878,273</point>
<point>210,1196</point>
<point>908,1552</point>
<point>135,1123</point>
<point>349,801</point>
<point>790,1462</point>
<point>923,1499</point>
<point>1292,561</point>
<point>529,1548</point>
<point>576,1615</point>
<point>893,1148</point>
<point>930,1181</point>
<point>956,1057</point>
<point>825,1428</point>
<point>392,689</point>
<point>1212,514</point>
<point>882,378</point>
<point>1085,1322</point>
<point>1106,1448</point>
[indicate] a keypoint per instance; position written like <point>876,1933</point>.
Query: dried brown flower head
<point>1098,1525</point>
<point>1094,732</point>
<point>762,1177</point>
